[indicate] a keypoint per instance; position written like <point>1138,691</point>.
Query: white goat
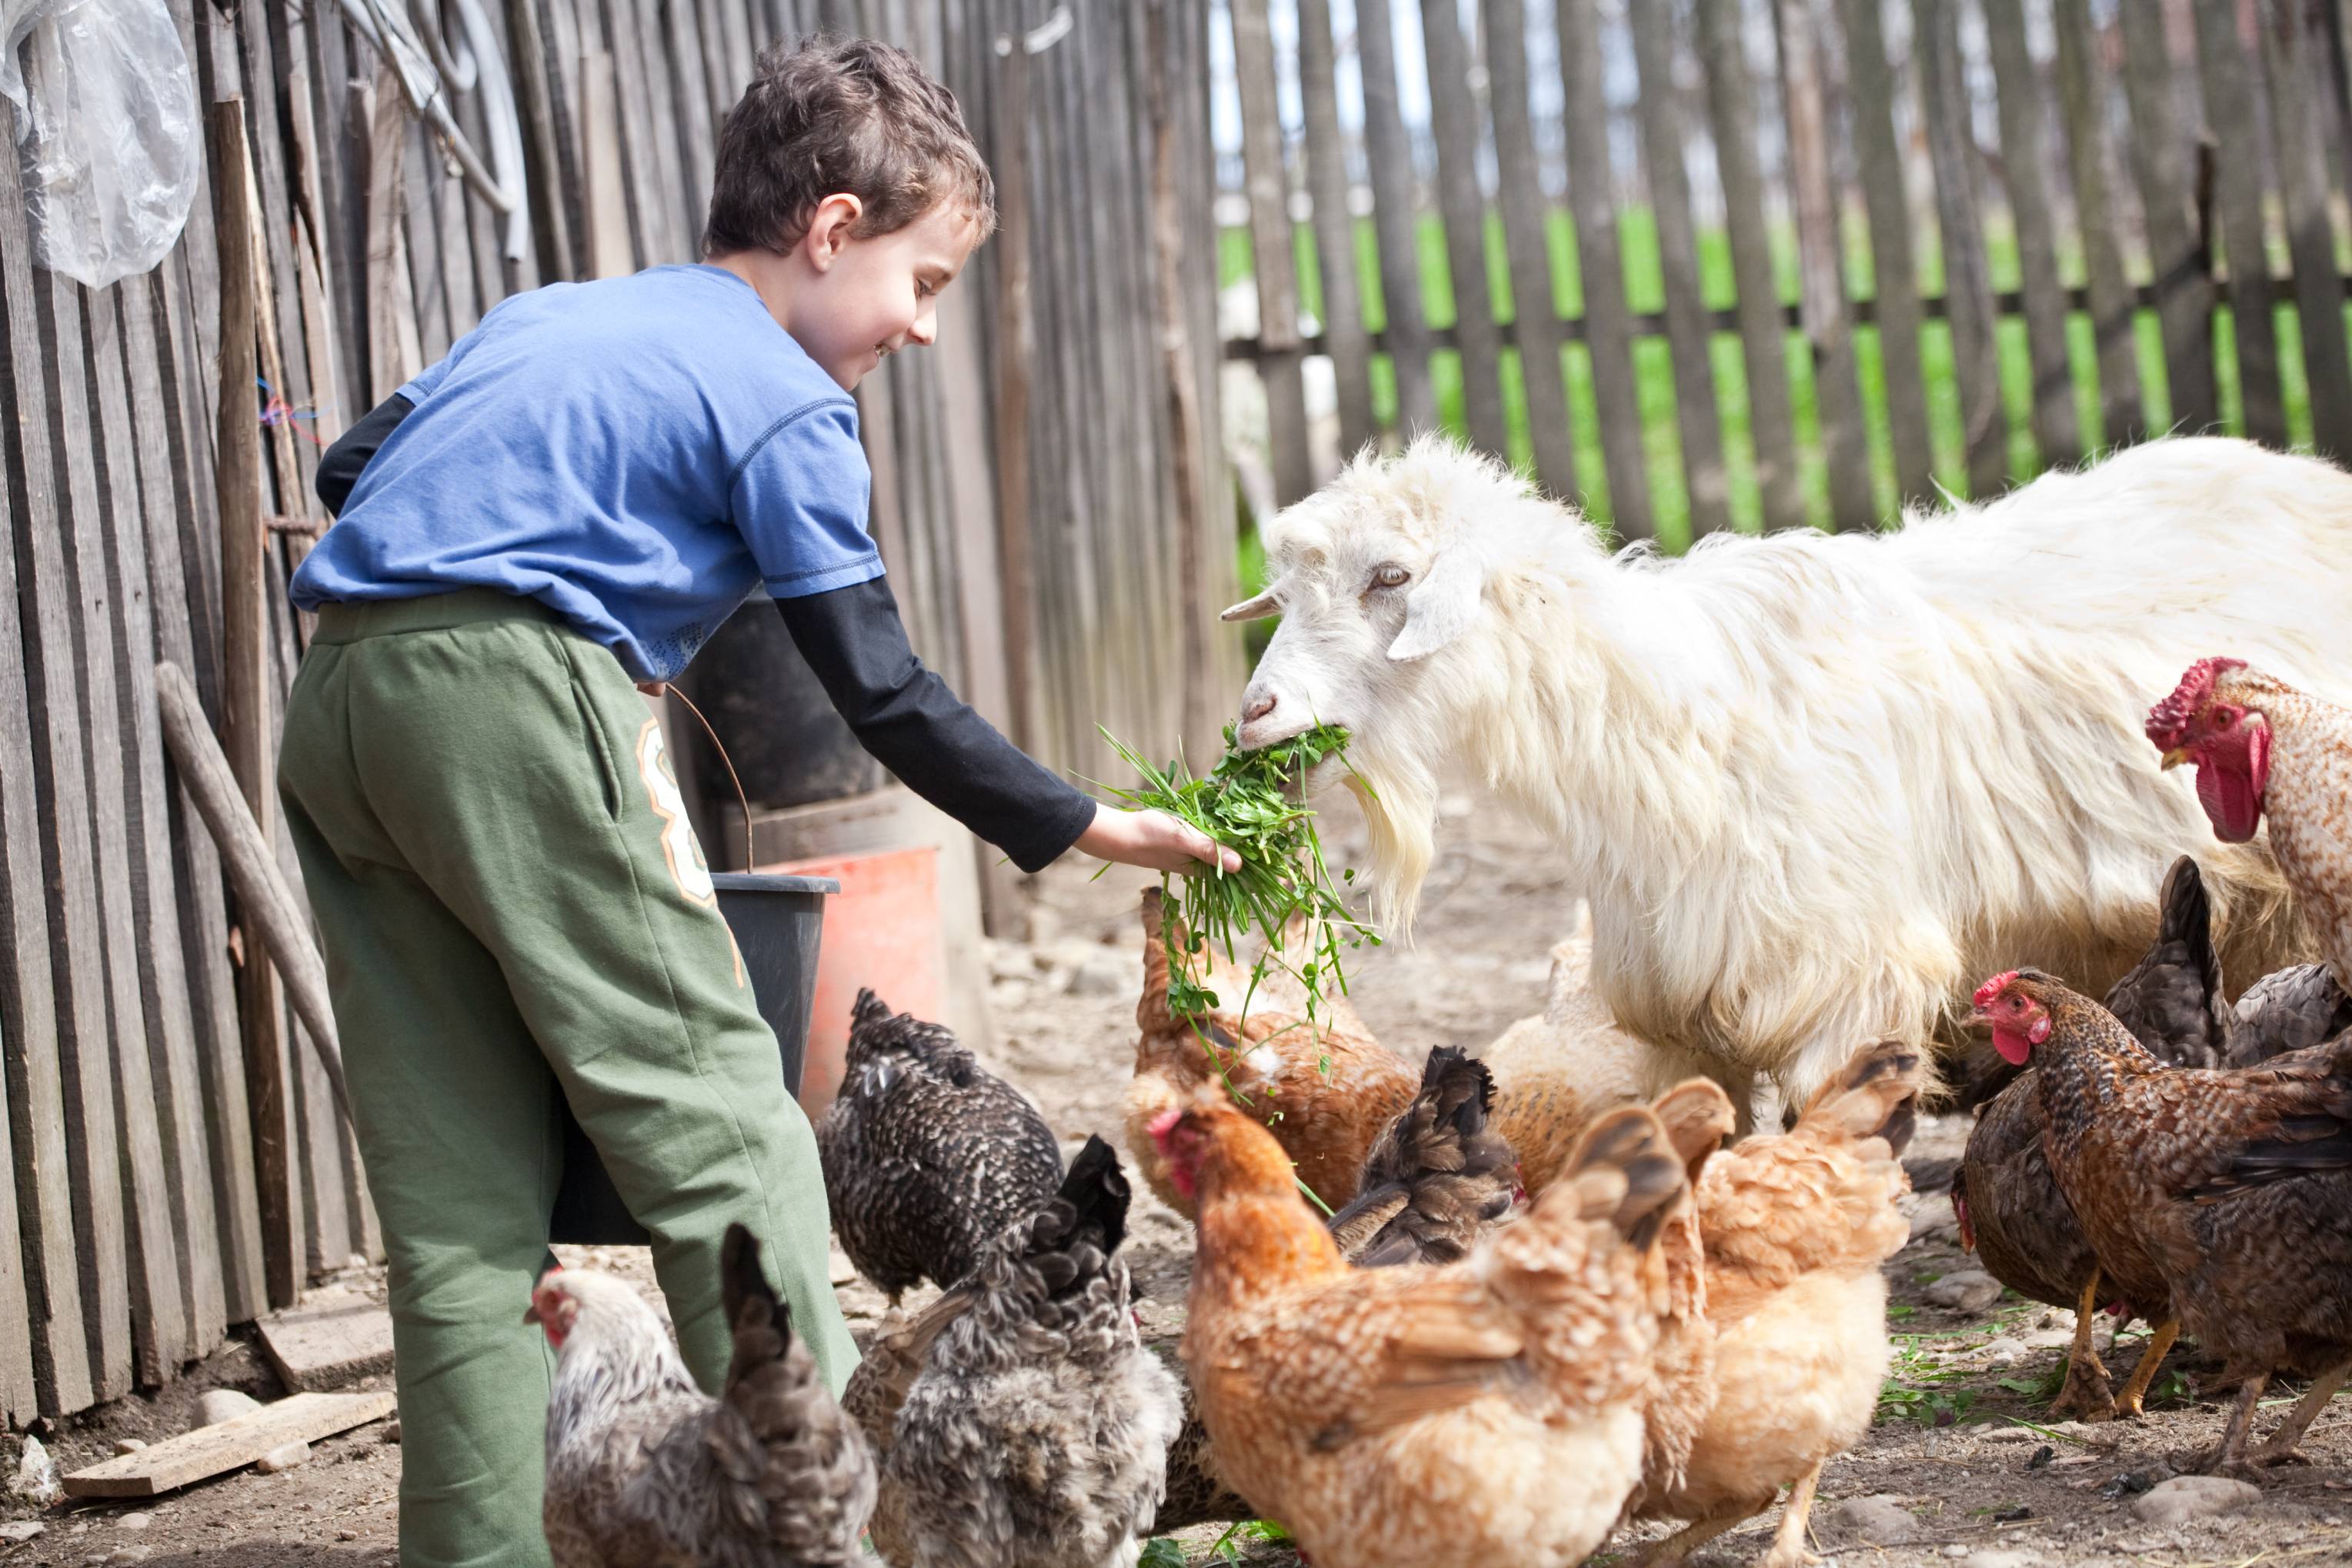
<point>1819,785</point>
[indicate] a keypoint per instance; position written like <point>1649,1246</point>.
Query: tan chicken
<point>1486,1412</point>
<point>1327,1086</point>
<point>1697,1116</point>
<point>2265,752</point>
<point>645,1467</point>
<point>1328,1089</point>
<point>1796,1226</point>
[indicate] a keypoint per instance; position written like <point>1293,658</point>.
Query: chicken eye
<point>1392,577</point>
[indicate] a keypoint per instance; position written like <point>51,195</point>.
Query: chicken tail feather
<point>1697,1116</point>
<point>1875,1095</point>
<point>2187,919</point>
<point>762,1325</point>
<point>1628,1144</point>
<point>1096,1191</point>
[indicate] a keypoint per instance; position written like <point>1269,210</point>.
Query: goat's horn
<point>1254,609</point>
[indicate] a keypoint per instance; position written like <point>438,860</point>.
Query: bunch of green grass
<point>1253,804</point>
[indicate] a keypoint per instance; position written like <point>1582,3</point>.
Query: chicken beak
<point>2175,757</point>
<point>530,1316</point>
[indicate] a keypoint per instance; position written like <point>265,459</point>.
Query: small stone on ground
<point>1969,1291</point>
<point>134,1521</point>
<point>1880,1521</point>
<point>283,1458</point>
<point>219,1405</point>
<point>2184,1497</point>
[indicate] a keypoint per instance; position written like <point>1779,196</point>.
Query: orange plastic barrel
<point>882,932</point>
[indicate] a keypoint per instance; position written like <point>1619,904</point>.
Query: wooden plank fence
<point>171,1161</point>
<point>1896,246</point>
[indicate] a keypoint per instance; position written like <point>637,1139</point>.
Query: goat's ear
<point>1441,607</point>
<point>1256,608</point>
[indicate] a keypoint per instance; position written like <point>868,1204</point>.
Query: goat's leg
<point>2145,1373</point>
<point>2087,1394</point>
<point>1739,1086</point>
<point>1670,1551</point>
<point>2228,1457</point>
<point>2280,1448</point>
<point>1789,1549</point>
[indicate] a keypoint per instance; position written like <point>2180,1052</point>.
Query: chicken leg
<point>1789,1549</point>
<point>1676,1548</point>
<point>2228,1458</point>
<point>2145,1373</point>
<point>2087,1392</point>
<point>2280,1448</point>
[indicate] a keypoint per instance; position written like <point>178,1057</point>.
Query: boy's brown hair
<point>840,115</point>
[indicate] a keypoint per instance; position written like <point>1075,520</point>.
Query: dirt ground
<point>1951,1446</point>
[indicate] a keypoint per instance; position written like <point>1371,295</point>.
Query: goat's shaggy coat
<point>1817,785</point>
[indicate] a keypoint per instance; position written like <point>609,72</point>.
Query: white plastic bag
<point>106,131</point>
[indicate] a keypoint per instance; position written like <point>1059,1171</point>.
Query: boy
<point>514,907</point>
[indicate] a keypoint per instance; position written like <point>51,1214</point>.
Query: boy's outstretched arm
<point>943,751</point>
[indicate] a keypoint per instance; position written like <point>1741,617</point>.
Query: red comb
<point>1992,988</point>
<point>2168,721</point>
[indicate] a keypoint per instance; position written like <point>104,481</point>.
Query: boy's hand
<point>1152,839</point>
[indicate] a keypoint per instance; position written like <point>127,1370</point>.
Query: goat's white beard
<point>1398,797</point>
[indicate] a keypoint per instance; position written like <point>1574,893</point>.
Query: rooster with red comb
<point>2267,754</point>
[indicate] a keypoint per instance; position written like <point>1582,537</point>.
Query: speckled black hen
<point>1035,1431</point>
<point>927,1159</point>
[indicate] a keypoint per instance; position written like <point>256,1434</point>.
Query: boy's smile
<point>851,301</point>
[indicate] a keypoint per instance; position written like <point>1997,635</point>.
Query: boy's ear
<point>830,230</point>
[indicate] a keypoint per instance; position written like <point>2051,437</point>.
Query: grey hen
<point>1437,1176</point>
<point>2293,1010</point>
<point>645,1467</point>
<point>928,1158</point>
<point>1034,1427</point>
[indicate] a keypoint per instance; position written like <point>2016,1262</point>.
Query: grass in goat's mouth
<point>1252,803</point>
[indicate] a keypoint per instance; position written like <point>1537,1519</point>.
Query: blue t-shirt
<point>635,453</point>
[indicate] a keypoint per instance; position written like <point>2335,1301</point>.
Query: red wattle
<point>2014,1047</point>
<point>2232,776</point>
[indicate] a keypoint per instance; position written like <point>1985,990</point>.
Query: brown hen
<point>1487,1412</point>
<point>2230,1185</point>
<point>1328,1089</point>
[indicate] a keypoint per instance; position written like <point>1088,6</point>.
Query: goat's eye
<point>1392,577</point>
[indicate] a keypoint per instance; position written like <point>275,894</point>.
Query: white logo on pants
<point>679,847</point>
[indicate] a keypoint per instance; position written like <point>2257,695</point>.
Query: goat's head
<point>1381,582</point>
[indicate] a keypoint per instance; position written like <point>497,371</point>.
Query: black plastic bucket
<point>777,921</point>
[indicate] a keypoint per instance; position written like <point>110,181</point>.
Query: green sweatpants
<point>514,907</point>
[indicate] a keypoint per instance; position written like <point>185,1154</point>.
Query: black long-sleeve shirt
<point>901,711</point>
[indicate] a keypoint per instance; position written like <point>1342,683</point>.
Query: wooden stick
<point>228,1445</point>
<point>1200,723</point>
<point>244,684</point>
<point>1015,355</point>
<point>262,893</point>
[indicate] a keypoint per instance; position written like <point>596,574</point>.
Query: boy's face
<point>872,297</point>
